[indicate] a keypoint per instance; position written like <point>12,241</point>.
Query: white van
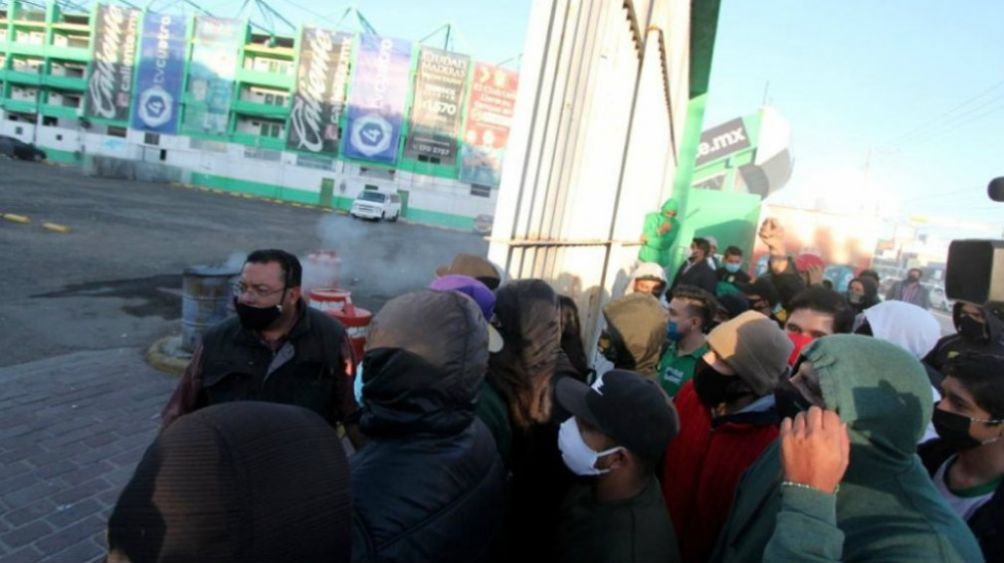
<point>376,204</point>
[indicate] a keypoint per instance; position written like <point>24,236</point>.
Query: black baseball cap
<point>626,406</point>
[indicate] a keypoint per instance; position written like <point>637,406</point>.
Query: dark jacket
<point>732,277</point>
<point>633,530</point>
<point>428,486</point>
<point>987,523</point>
<point>233,364</point>
<point>954,344</point>
<point>921,297</point>
<point>699,275</point>
<point>886,509</point>
<point>522,376</point>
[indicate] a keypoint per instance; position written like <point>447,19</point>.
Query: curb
<point>14,218</point>
<point>56,228</point>
<point>161,361</point>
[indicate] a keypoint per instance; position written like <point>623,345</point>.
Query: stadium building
<point>315,118</point>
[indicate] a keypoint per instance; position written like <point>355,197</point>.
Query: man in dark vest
<point>277,349</point>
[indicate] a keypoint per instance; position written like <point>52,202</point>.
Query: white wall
<point>232,160</point>
<point>591,146</point>
<point>10,128</point>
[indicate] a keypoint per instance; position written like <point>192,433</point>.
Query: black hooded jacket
<point>954,344</point>
<point>429,485</point>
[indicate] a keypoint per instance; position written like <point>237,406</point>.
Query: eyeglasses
<point>260,291</point>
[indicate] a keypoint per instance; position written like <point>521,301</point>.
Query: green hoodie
<point>657,247</point>
<point>886,509</point>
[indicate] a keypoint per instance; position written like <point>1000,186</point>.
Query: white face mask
<point>577,455</point>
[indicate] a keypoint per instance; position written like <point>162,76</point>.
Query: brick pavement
<point>72,428</point>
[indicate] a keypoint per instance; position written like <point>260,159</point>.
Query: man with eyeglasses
<point>276,349</point>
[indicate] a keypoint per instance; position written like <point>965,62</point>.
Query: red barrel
<point>337,303</point>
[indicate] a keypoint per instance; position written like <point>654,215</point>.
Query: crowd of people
<point>742,420</point>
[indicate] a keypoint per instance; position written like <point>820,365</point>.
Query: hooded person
<point>517,404</point>
<point>978,328</point>
<point>885,507</point>
<point>726,420</point>
<point>648,277</point>
<point>862,293</point>
<point>659,233</point>
<point>903,324</point>
<point>238,482</point>
<point>912,329</point>
<point>635,332</point>
<point>423,367</point>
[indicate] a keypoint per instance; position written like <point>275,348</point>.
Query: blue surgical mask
<point>357,385</point>
<point>673,332</point>
<point>732,268</point>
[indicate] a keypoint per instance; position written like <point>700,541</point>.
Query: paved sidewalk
<point>72,429</point>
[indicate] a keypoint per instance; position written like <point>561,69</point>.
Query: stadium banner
<point>377,97</point>
<point>319,101</point>
<point>435,120</point>
<point>109,84</point>
<point>160,75</point>
<point>211,75</point>
<point>490,108</point>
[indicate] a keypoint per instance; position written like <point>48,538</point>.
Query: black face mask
<point>256,318</point>
<point>714,388</point>
<point>954,429</point>
<point>789,401</point>
<point>972,330</point>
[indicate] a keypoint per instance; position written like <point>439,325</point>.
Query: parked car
<point>16,148</point>
<point>376,204</point>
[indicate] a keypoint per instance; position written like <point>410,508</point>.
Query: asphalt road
<point>114,280</point>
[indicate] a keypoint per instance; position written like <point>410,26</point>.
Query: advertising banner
<point>109,85</point>
<point>489,116</point>
<point>721,140</point>
<point>211,75</point>
<point>161,73</point>
<point>434,123</point>
<point>377,98</point>
<point>321,77</point>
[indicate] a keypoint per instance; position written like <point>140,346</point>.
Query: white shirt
<point>965,507</point>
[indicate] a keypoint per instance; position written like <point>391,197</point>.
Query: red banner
<point>489,115</point>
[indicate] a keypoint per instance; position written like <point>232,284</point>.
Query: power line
<point>929,122</point>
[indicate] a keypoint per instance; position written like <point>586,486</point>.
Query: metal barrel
<point>206,299</point>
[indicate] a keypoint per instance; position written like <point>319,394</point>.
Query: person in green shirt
<point>658,234</point>
<point>616,435</point>
<point>691,312</point>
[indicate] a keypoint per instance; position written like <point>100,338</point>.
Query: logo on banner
<point>106,60</point>
<point>371,134</point>
<point>155,105</point>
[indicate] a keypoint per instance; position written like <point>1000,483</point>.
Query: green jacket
<point>657,247</point>
<point>635,530</point>
<point>886,509</point>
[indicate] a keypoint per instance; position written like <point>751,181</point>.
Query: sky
<point>898,103</point>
